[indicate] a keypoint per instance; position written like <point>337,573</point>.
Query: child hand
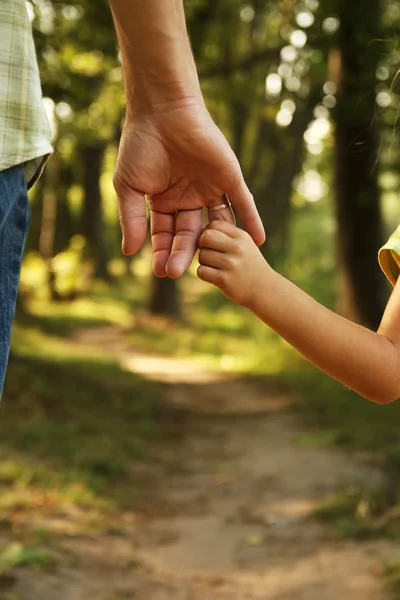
<point>230,260</point>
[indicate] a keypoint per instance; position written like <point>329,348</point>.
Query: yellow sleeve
<point>389,257</point>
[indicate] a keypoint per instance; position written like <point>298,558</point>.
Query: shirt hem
<point>34,154</point>
<point>34,163</point>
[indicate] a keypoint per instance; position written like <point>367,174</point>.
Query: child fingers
<point>210,258</point>
<point>215,240</point>
<point>210,275</point>
<point>225,227</point>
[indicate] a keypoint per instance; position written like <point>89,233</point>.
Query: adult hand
<point>179,159</point>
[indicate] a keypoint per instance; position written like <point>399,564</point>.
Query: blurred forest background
<point>306,93</point>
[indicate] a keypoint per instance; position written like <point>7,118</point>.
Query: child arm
<point>361,359</point>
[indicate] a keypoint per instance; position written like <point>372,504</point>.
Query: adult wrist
<point>147,94</point>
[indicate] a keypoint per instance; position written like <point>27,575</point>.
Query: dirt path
<point>224,509</point>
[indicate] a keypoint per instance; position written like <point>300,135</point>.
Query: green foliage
<point>72,431</point>
<point>236,48</point>
<point>16,555</point>
<point>357,513</point>
<point>392,572</point>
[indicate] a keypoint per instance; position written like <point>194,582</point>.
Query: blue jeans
<point>14,225</point>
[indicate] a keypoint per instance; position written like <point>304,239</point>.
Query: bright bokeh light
<point>298,38</point>
<point>63,111</point>
<point>384,99</point>
<point>71,13</point>
<point>289,54</point>
<point>312,5</point>
<point>330,88</point>
<point>331,25</point>
<point>311,186</point>
<point>318,130</point>
<point>316,133</point>
<point>382,73</point>
<point>315,148</point>
<point>321,112</point>
<point>293,84</point>
<point>285,70</point>
<point>247,14</point>
<point>284,118</point>
<point>305,18</point>
<point>273,84</point>
<point>288,105</point>
<point>46,17</point>
<point>329,101</point>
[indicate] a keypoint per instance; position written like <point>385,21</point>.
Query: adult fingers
<point>188,227</point>
<point>162,235</point>
<point>132,217</point>
<point>222,212</point>
<point>243,203</point>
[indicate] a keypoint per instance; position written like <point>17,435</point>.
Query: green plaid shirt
<point>24,127</point>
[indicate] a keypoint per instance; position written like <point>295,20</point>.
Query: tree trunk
<point>92,218</point>
<point>357,193</point>
<point>48,223</point>
<point>164,297</point>
<point>65,226</point>
<point>275,196</point>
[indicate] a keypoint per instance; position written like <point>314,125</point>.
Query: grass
<point>361,513</point>
<point>392,574</point>
<point>16,555</point>
<point>69,432</point>
<point>334,415</point>
<point>82,427</point>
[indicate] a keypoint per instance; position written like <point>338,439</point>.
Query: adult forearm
<point>157,61</point>
<point>361,359</point>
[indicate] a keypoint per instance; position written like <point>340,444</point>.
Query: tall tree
<point>356,186</point>
<point>164,297</point>
<point>92,218</point>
